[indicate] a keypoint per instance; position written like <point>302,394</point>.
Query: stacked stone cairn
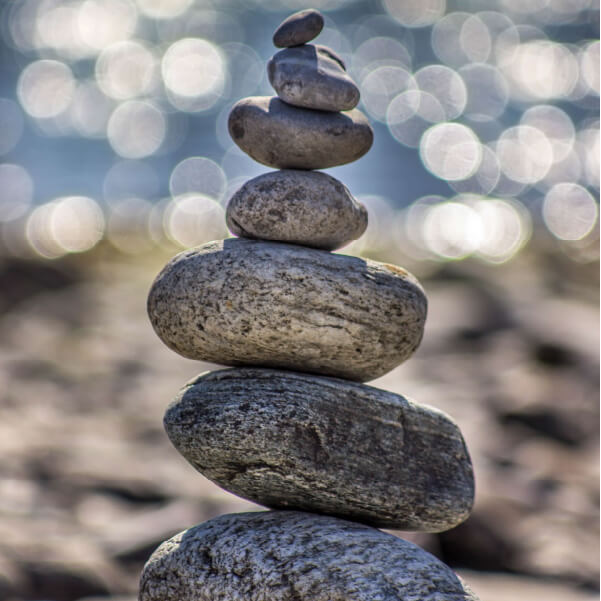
<point>291,426</point>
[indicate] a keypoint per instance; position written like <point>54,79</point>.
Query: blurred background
<point>483,180</point>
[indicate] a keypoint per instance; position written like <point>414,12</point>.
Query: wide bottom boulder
<point>293,556</point>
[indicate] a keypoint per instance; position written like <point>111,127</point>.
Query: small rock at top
<point>299,28</point>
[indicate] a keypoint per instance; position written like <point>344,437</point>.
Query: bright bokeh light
<point>104,22</point>
<point>193,219</point>
<point>65,225</point>
<point>46,88</point>
<point>16,191</point>
<point>381,85</point>
<point>11,125</point>
<point>76,223</point>
<point>525,154</point>
<point>136,129</point>
<point>415,13</point>
<point>570,212</point>
<point>460,38</point>
<point>379,52</point>
<point>555,124</point>
<point>194,74</point>
<point>589,152</point>
<point>57,28</point>
<point>410,114</point>
<point>198,175</point>
<point>589,66</point>
<point>450,151</point>
<point>484,179</point>
<point>125,70</point>
<point>452,230</point>
<point>163,9</point>
<point>446,86</point>
<point>541,70</point>
<point>506,228</point>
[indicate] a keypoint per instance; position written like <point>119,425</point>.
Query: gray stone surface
<point>299,28</point>
<point>301,207</point>
<point>248,302</point>
<point>312,77</point>
<point>293,556</point>
<point>279,135</point>
<point>294,441</point>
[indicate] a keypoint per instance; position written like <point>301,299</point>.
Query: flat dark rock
<point>312,77</point>
<point>282,136</point>
<point>251,302</point>
<point>294,441</point>
<point>299,28</point>
<point>300,207</point>
<point>293,556</point>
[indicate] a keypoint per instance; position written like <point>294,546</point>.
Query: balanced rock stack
<point>291,426</point>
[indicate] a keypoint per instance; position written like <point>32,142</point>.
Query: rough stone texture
<point>247,302</point>
<point>294,556</point>
<point>301,207</point>
<point>288,137</point>
<point>299,28</point>
<point>312,77</point>
<point>294,441</point>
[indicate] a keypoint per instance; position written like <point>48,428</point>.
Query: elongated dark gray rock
<point>248,302</point>
<point>294,441</point>
<point>279,135</point>
<point>301,207</point>
<point>312,77</point>
<point>293,556</point>
<point>299,28</point>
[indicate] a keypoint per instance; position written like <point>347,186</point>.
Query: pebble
<point>282,136</point>
<point>312,77</point>
<point>294,441</point>
<point>301,207</point>
<point>299,28</point>
<point>251,302</point>
<point>295,556</point>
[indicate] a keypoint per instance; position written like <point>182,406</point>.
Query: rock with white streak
<point>293,556</point>
<point>250,302</point>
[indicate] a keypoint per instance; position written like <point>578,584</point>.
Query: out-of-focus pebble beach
<point>90,484</point>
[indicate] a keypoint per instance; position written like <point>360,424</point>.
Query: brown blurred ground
<point>90,485</point>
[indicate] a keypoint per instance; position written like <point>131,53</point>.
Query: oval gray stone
<point>294,556</point>
<point>300,207</point>
<point>279,135</point>
<point>312,77</point>
<point>299,28</point>
<point>294,441</point>
<point>248,302</point>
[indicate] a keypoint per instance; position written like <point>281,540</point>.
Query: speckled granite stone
<point>312,77</point>
<point>294,441</point>
<point>299,28</point>
<point>293,556</point>
<point>288,137</point>
<point>250,302</point>
<point>301,207</point>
